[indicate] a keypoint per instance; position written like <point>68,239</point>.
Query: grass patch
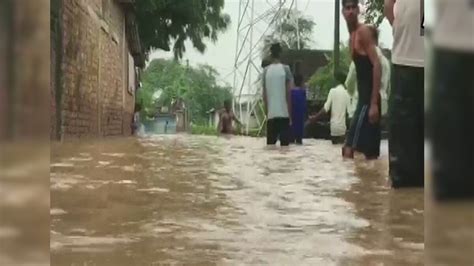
<point>203,130</point>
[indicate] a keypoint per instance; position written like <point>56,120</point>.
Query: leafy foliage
<point>374,12</point>
<point>161,21</point>
<point>203,130</point>
<point>323,79</point>
<point>196,86</point>
<point>286,21</point>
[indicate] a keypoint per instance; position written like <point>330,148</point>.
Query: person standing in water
<point>451,103</point>
<point>277,82</point>
<point>298,103</point>
<point>406,103</point>
<point>365,131</point>
<point>338,103</point>
<point>136,119</point>
<point>226,117</point>
<point>351,80</point>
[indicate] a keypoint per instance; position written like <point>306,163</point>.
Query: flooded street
<point>195,200</point>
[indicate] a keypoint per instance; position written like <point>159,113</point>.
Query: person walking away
<point>406,101</point>
<point>277,83</point>
<point>452,101</point>
<point>338,103</point>
<point>226,117</point>
<point>298,113</point>
<point>136,119</point>
<point>365,132</point>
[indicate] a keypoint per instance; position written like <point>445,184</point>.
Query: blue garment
<point>298,112</point>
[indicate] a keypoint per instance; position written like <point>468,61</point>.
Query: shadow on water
<point>395,235</point>
<point>207,200</point>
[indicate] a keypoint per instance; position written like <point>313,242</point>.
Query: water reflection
<point>208,200</point>
<point>449,229</point>
<point>24,201</point>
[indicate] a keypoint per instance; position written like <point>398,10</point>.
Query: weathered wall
<point>92,95</point>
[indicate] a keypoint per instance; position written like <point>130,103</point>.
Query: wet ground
<point>192,200</point>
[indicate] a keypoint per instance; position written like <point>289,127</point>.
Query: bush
<point>323,79</point>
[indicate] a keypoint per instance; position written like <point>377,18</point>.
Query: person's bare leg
<point>347,152</point>
<point>371,158</point>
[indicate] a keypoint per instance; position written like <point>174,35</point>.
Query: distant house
<point>244,107</point>
<point>178,108</point>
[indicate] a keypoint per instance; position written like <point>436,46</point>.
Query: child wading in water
<point>226,117</point>
<point>298,104</point>
<point>136,118</point>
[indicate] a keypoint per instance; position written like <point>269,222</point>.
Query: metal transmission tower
<point>248,56</point>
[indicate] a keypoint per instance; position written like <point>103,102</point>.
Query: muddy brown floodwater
<point>195,200</point>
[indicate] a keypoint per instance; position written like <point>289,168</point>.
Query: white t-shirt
<point>408,42</point>
<point>454,25</point>
<point>338,102</point>
<point>275,78</point>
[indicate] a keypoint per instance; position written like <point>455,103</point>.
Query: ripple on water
<point>233,201</point>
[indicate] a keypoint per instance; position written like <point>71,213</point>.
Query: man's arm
<point>305,107</point>
<point>236,119</point>
<point>369,47</point>
<point>351,79</point>
<point>289,86</point>
<point>323,111</point>
<point>388,10</point>
<point>264,89</point>
<point>219,125</point>
<point>315,118</point>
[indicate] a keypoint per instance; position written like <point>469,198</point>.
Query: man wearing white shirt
<point>452,100</point>
<point>338,102</point>
<point>406,100</point>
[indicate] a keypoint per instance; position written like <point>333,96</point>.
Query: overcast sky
<point>221,55</point>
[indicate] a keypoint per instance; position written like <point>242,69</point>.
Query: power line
<point>307,4</point>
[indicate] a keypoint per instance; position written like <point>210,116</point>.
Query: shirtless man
<point>226,117</point>
<point>365,132</point>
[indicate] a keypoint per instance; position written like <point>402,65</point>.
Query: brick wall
<point>93,92</point>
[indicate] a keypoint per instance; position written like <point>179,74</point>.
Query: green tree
<point>286,22</point>
<point>323,79</point>
<point>162,21</point>
<point>197,86</point>
<point>374,12</point>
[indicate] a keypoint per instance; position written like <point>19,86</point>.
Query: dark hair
<point>227,103</point>
<point>298,80</point>
<point>138,107</point>
<point>345,2</point>
<point>265,62</point>
<point>340,77</point>
<point>375,33</point>
<point>275,50</point>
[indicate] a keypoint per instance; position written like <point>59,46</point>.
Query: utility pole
<point>250,80</point>
<point>336,36</point>
<point>297,25</point>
